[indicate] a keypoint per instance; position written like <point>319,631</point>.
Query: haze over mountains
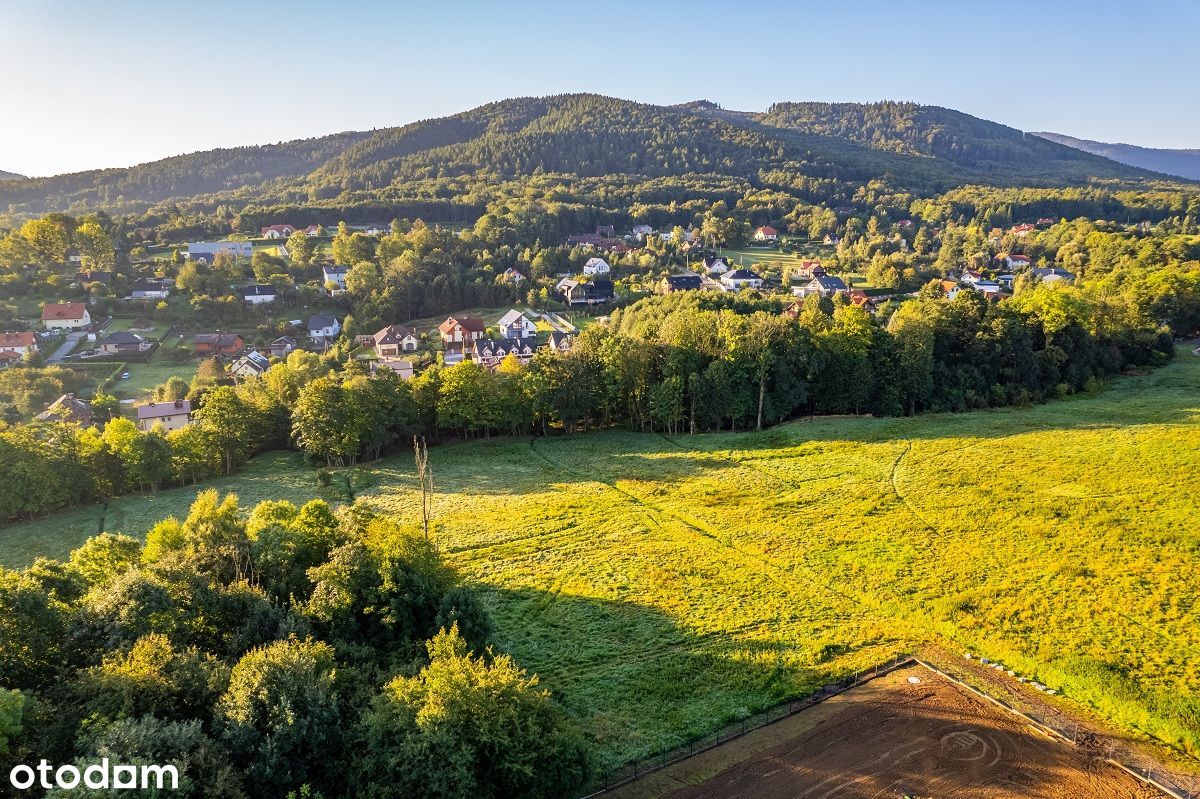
<point>10,175</point>
<point>826,150</point>
<point>1181,163</point>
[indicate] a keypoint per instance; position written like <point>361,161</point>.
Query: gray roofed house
<point>490,352</point>
<point>283,345</point>
<point>171,415</point>
<point>249,364</point>
<point>825,285</point>
<point>124,341</point>
<point>559,341</point>
<point>68,408</point>
<point>258,294</point>
<point>323,326</point>
<point>1053,274</point>
<point>685,282</point>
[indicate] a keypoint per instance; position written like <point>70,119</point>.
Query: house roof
<point>288,340</point>
<point>334,270</point>
<point>558,338</point>
<point>513,317</point>
<point>8,340</point>
<point>472,324</point>
<point>254,359</point>
<point>157,410</point>
<point>222,340</point>
<point>9,355</point>
<point>829,283</point>
<point>123,337</point>
<point>595,262</point>
<point>279,228</point>
<point>321,320</point>
<point>393,334</point>
<point>741,274</point>
<point>69,408</point>
<point>1052,270</point>
<point>684,282</point>
<point>63,310</point>
<point>767,230</point>
<point>506,346</point>
<point>95,276</point>
<point>258,291</point>
<point>150,284</point>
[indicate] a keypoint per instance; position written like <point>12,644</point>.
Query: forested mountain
<point>1181,163</point>
<point>814,151</point>
<point>10,176</point>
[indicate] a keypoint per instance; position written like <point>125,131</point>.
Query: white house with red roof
<point>18,343</point>
<point>766,233</point>
<point>65,316</point>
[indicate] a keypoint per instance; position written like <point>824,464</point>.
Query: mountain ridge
<point>1183,163</point>
<point>837,147</point>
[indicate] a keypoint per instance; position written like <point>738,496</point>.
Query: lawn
<point>144,377</point>
<point>662,586</point>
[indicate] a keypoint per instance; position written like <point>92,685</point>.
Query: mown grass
<point>665,585</point>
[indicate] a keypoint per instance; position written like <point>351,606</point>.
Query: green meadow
<point>662,586</point>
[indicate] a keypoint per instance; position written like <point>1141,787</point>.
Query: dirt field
<point>891,738</point>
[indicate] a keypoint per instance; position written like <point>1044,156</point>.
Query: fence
<point>1059,725</point>
<point>640,768</point>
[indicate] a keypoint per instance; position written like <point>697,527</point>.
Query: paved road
<point>65,350</point>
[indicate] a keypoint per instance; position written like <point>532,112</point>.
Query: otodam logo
<point>100,776</point>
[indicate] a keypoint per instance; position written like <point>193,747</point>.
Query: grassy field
<point>144,377</point>
<point>664,586</point>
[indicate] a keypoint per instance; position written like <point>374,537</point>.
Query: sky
<point>87,85</point>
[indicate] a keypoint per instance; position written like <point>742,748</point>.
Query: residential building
<point>335,275</point>
<point>596,266</point>
<point>68,408</point>
<point>258,295</point>
<point>322,327</point>
<point>278,231</point>
<point>95,276</point>
<point>249,364</point>
<point>20,344</point>
<point>490,352</point>
<point>766,233</point>
<point>171,415</point>
<point>715,265</point>
<point>216,343</point>
<point>514,324</point>
<point>460,330</point>
<point>65,316</point>
<point>206,251</point>
<point>400,366</point>
<point>395,339</point>
<point>642,230</point>
<point>1053,275</point>
<point>150,288</point>
<point>824,285</point>
<point>688,281</point>
<point>282,346</point>
<point>589,292</point>
<point>511,275</point>
<point>122,342</point>
<point>559,341</point>
<point>738,279</point>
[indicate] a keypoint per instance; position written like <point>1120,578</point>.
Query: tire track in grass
<point>749,464</point>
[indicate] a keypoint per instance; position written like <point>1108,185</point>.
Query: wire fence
<point>640,768</point>
<point>1058,724</point>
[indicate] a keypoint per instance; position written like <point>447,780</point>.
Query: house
<point>715,265</point>
<point>1053,275</point>
<point>766,233</point>
<point>741,278</point>
<point>860,299</point>
<point>95,276</point>
<point>948,286</point>
<point>171,415</point>
<point>1014,260</point>
<point>559,342</point>
<point>511,275</point>
<point>149,288</point>
<point>824,285</point>
<point>282,346</point>
<point>216,343</point>
<point>971,277</point>
<point>257,295</point>
<point>123,342</point>
<point>395,339</point>
<point>1046,220</point>
<point>490,352</point>
<point>642,230</point>
<point>335,275</point>
<point>606,231</point>
<point>322,327</point>
<point>249,364</point>
<point>988,288</point>
<point>792,309</point>
<point>18,343</point>
<point>9,358</point>
<point>312,230</point>
<point>514,324</point>
<point>376,229</point>
<point>1006,280</point>
<point>689,281</point>
<point>65,316</point>
<point>584,240</point>
<point>1024,230</point>
<point>587,292</point>
<point>278,231</point>
<point>810,269</point>
<point>461,330</point>
<point>206,251</point>
<point>596,266</point>
<point>68,408</point>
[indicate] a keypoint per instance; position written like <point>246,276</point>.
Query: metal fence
<point>640,768</point>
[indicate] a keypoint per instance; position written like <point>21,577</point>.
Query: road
<point>65,349</point>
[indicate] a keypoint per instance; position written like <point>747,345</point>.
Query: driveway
<point>65,349</point>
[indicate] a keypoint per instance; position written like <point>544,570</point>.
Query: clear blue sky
<point>93,84</point>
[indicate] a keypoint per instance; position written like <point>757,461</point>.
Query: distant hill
<point>640,152</point>
<point>10,176</point>
<point>1180,163</point>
